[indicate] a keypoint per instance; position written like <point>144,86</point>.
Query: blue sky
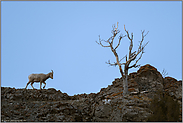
<point>39,36</point>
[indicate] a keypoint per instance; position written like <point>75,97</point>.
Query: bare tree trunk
<point>125,84</point>
<point>125,80</point>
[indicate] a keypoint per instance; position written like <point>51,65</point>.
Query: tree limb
<point>110,41</point>
<point>111,63</point>
<point>123,58</point>
<point>132,56</point>
<point>120,37</point>
<point>135,65</point>
<point>100,42</point>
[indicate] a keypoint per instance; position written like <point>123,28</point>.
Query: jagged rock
<point>149,79</point>
<point>50,105</point>
<point>173,87</point>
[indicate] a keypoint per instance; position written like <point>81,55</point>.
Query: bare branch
<point>111,63</point>
<point>131,42</point>
<point>123,58</point>
<point>135,55</point>
<point>115,31</point>
<point>132,56</point>
<point>140,57</point>
<point>120,37</point>
<point>128,34</point>
<point>116,28</point>
<point>140,45</point>
<point>100,42</point>
<point>143,36</point>
<point>141,48</point>
<point>135,65</point>
<point>124,28</point>
<point>164,73</point>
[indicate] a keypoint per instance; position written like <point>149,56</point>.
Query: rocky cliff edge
<point>107,105</point>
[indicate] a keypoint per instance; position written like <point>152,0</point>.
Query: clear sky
<point>39,36</point>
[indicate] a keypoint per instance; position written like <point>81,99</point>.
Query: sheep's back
<point>36,77</point>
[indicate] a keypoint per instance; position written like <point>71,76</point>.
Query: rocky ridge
<point>107,105</point>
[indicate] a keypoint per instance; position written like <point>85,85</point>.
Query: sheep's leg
<point>44,85</point>
<point>32,85</point>
<point>40,85</point>
<point>27,84</point>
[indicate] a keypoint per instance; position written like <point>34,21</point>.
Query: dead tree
<point>132,56</point>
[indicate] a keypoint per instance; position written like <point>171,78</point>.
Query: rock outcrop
<point>107,105</point>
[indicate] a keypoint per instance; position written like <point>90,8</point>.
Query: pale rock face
<point>107,105</point>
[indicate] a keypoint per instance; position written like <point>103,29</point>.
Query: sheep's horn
<point>52,71</point>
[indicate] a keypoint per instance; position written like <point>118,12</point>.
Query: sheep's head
<point>51,74</point>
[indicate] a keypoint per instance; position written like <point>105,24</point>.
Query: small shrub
<point>164,108</point>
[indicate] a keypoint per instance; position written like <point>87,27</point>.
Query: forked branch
<point>110,41</point>
<point>132,56</point>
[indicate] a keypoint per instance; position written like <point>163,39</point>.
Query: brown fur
<point>39,78</point>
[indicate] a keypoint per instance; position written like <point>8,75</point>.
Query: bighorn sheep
<point>39,78</point>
